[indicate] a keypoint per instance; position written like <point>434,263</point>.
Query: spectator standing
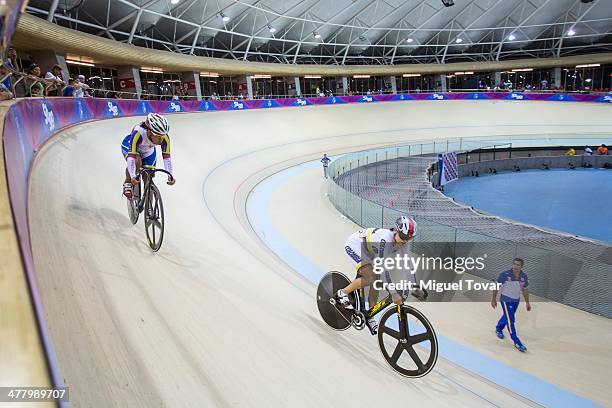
<point>12,63</point>
<point>513,281</point>
<point>5,93</point>
<point>325,160</point>
<point>588,151</point>
<point>33,82</point>
<point>55,81</point>
<point>80,86</point>
<point>70,89</point>
<point>602,150</point>
<point>570,152</point>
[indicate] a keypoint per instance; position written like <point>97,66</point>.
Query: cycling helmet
<point>406,227</point>
<point>158,124</point>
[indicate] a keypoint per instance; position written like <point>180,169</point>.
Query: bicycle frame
<point>374,310</point>
<point>150,172</point>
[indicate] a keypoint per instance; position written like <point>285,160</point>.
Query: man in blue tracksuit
<point>514,281</point>
<point>325,160</point>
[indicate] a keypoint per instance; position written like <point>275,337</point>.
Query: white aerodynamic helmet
<point>158,124</point>
<point>406,227</point>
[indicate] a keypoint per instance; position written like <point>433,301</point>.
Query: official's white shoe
<point>344,300</point>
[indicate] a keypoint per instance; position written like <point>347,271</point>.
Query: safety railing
<point>21,79</point>
<point>374,187</point>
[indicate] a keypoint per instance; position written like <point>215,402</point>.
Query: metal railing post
<point>376,170</point>
<point>358,176</point>
<point>361,216</point>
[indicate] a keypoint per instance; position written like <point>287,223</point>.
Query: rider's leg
<point>372,296</point>
<point>365,278</point>
<point>125,148</point>
<point>128,177</point>
<point>127,183</point>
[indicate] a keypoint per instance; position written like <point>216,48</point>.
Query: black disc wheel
<point>331,312</point>
<point>154,218</point>
<point>408,341</point>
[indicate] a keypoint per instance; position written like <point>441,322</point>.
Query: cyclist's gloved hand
<point>420,294</point>
<point>397,298</point>
<point>135,180</point>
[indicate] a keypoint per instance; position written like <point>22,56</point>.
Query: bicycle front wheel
<point>154,218</point>
<point>408,341</point>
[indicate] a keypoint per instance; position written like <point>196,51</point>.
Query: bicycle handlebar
<point>143,170</point>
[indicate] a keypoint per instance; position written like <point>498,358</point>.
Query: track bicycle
<point>406,338</point>
<point>151,204</point>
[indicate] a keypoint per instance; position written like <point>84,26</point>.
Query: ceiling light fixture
<point>271,29</point>
<point>151,70</point>
<point>224,18</point>
<point>87,64</point>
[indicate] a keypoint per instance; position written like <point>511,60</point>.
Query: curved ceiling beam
<point>34,33</point>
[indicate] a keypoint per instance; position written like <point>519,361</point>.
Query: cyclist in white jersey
<point>138,149</point>
<point>364,246</point>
